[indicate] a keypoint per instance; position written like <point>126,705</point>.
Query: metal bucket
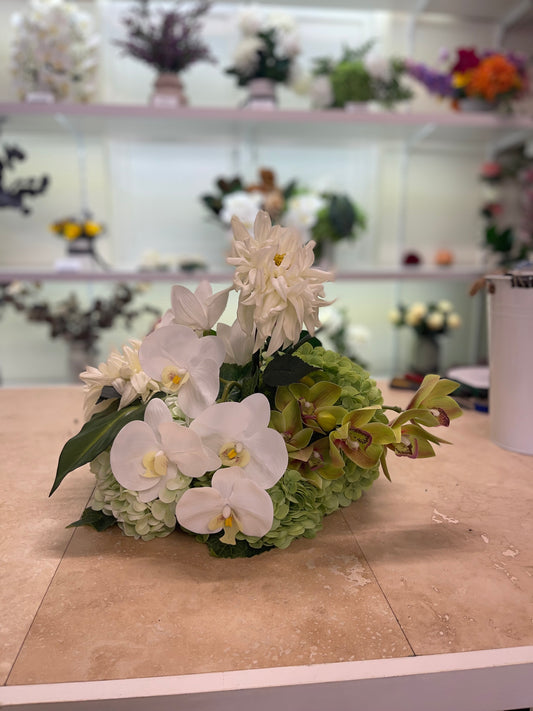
<point>510,312</point>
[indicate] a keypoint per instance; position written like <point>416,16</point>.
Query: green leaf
<point>96,519</point>
<point>286,369</point>
<point>241,549</point>
<point>232,371</point>
<point>93,438</point>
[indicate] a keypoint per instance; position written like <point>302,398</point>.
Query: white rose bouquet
<point>54,51</point>
<point>244,435</point>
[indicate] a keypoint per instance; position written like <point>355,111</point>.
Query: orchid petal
<point>269,458</point>
<point>156,413</point>
<point>198,507</point>
<point>184,447</point>
<point>129,447</point>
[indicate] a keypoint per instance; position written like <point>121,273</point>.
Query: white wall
<point>147,192</point>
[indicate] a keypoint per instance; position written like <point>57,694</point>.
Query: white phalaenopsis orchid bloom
<point>199,311</point>
<point>233,502</point>
<point>185,365</point>
<point>146,454</point>
<point>238,433</point>
<point>239,345</point>
<point>279,290</point>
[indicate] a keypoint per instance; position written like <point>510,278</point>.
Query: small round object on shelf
<point>411,259</point>
<point>444,258</point>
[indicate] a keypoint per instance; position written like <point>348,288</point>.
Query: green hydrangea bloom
<point>299,505</point>
<point>154,519</point>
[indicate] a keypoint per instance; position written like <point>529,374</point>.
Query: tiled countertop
<point>440,561</point>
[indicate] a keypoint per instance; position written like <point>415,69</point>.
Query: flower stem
<point>396,408</point>
<point>230,384</point>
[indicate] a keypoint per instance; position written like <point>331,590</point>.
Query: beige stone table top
<point>439,561</point>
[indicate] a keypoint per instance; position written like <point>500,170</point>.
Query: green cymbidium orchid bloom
<point>316,403</point>
<point>361,440</point>
<point>320,460</point>
<point>415,442</point>
<point>433,395</point>
<point>288,423</point>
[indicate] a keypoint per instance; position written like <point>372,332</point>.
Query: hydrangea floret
<point>249,438</point>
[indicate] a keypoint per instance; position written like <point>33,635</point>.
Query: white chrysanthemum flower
<point>245,57</point>
<point>279,291</point>
<point>302,210</point>
<point>250,20</point>
<point>281,22</point>
<point>243,205</point>
<point>454,320</point>
<point>123,372</point>
<point>54,50</point>
<point>435,321</point>
<point>289,45</point>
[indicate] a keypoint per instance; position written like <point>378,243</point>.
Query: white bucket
<point>510,311</point>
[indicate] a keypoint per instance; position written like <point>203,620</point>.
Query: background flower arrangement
<point>356,78</point>
<point>326,217</point>
<point>253,430</point>
<point>267,49</point>
<point>431,319</point>
<point>73,228</point>
<point>54,51</point>
<point>167,40</point>
<point>494,79</point>
<point>507,207</point>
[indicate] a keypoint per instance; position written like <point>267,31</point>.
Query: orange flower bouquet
<point>489,79</point>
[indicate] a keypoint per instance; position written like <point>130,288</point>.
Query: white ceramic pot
<point>510,311</point>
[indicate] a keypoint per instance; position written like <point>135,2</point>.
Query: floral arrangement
<point>358,78</point>
<point>235,197</point>
<point>495,78</point>
<point>16,193</point>
<point>73,228</point>
<point>54,51</point>
<point>508,233</point>
<point>247,435</point>
<point>169,39</point>
<point>71,320</point>
<point>430,319</point>
<point>338,334</point>
<point>268,48</point>
<point>326,217</point>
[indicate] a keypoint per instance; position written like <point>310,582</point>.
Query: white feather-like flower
<point>279,290</point>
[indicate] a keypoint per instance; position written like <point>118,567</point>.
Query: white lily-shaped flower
<point>146,454</point>
<point>279,290</point>
<point>238,433</point>
<point>239,345</point>
<point>199,311</point>
<point>185,365</point>
<point>232,503</point>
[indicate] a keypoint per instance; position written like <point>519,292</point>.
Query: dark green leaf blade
<point>93,438</point>
<point>241,549</point>
<point>96,519</point>
<point>286,369</point>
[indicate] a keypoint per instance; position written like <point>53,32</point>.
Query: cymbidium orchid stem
<point>396,408</point>
<point>229,385</point>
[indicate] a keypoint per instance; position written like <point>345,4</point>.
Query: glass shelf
<point>191,124</point>
<point>384,273</point>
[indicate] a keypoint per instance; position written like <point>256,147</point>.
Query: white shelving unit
<point>147,167</point>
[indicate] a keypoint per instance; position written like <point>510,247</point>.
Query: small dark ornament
<point>411,259</point>
<point>15,194</point>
